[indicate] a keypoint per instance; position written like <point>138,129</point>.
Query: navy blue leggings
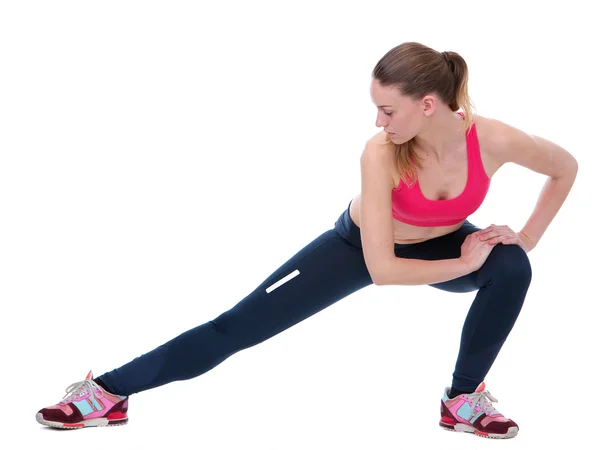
<point>328,269</point>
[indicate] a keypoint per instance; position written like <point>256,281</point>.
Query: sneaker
<point>88,405</point>
<point>474,413</point>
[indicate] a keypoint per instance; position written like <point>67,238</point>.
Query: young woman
<point>421,178</point>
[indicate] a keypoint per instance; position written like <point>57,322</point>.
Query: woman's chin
<point>393,139</point>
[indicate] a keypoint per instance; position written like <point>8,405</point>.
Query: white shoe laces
<point>81,388</point>
<point>484,399</point>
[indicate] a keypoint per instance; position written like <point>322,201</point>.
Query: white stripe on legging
<point>284,280</point>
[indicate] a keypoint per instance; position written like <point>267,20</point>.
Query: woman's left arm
<point>508,144</point>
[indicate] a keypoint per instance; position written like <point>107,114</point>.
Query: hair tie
<point>446,57</point>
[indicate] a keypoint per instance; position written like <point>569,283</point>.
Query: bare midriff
<point>403,232</point>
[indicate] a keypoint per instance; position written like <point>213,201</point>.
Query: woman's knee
<point>507,263</point>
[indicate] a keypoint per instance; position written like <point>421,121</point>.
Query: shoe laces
<point>80,388</point>
<point>484,399</point>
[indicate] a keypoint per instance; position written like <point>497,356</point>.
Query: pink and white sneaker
<point>474,413</point>
<point>88,405</point>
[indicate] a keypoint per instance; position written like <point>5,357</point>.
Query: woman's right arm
<point>419,271</point>
<point>377,232</point>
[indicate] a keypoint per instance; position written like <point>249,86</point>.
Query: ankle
<point>455,392</point>
<point>99,382</point>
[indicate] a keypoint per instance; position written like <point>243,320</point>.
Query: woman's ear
<point>429,103</point>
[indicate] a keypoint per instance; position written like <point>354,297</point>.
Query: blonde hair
<point>417,70</point>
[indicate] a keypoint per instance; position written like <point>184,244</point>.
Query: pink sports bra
<point>411,207</point>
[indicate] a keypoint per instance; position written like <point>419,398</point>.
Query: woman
<point>421,177</point>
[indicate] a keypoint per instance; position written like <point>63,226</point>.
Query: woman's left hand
<point>502,234</point>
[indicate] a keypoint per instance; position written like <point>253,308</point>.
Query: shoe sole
<point>463,428</point>
<point>100,422</point>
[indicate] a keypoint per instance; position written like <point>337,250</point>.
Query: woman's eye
<point>387,114</point>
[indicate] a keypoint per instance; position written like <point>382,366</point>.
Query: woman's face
<point>396,113</point>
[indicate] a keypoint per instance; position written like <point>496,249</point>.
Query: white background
<point>160,159</point>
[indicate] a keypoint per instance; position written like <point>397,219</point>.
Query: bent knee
<point>508,263</point>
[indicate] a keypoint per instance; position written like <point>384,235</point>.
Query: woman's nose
<point>379,122</point>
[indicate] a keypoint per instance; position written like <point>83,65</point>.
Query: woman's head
<point>412,81</point>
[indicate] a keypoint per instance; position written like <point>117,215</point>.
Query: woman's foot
<point>87,405</point>
<point>474,413</point>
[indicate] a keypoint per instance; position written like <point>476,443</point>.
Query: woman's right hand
<point>474,252</point>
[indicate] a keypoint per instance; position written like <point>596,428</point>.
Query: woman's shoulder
<point>485,126</point>
<point>490,138</point>
<point>490,131</point>
<point>379,145</point>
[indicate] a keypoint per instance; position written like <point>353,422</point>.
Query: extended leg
<point>322,273</point>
